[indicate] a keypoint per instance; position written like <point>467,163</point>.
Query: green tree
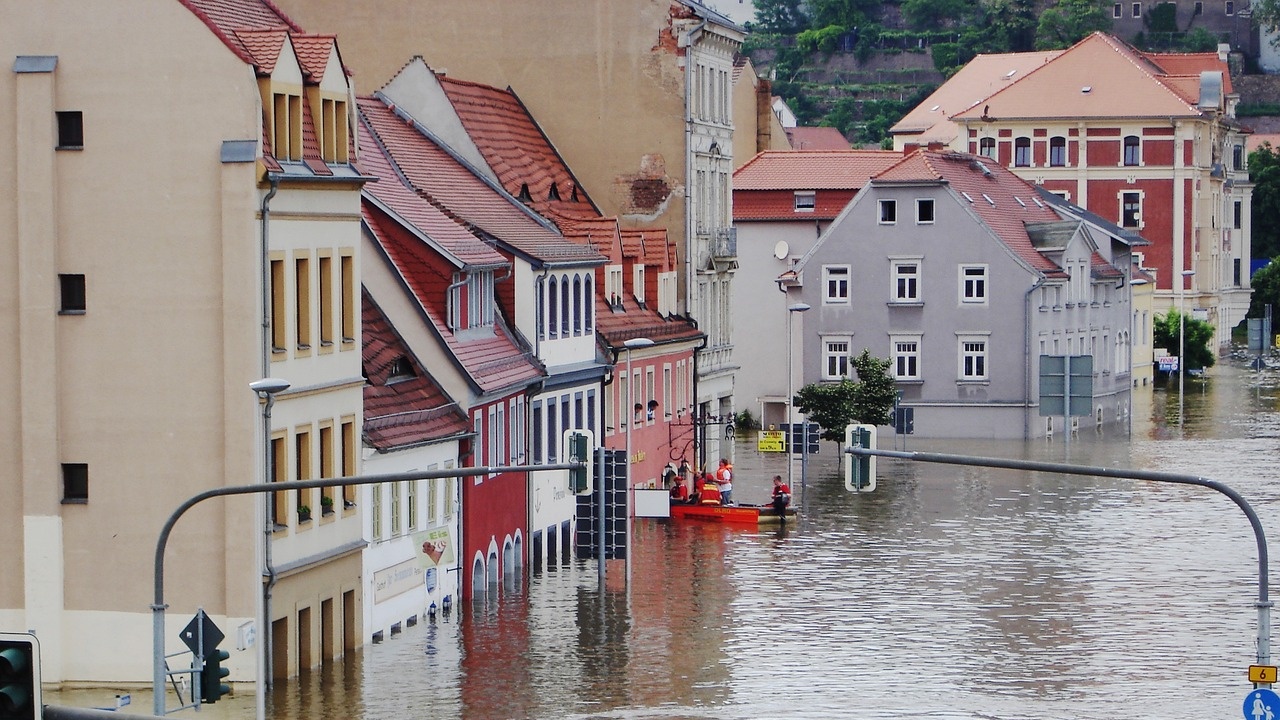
<point>1071,21</point>
<point>784,17</point>
<point>1264,173</point>
<point>1266,15</point>
<point>849,13</point>
<point>935,14</point>
<point>1266,291</point>
<point>1164,334</point>
<point>866,400</point>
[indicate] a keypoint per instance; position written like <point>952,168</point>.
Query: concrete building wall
<point>146,386</point>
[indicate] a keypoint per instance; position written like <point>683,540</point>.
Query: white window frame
<point>1120,197</point>
<point>974,282</point>
<point>975,347</point>
<point>904,286</point>
<point>887,212</point>
<point>922,203</point>
<point>905,349</point>
<point>613,283</point>
<point>831,353</point>
<point>1020,144</point>
<point>830,274</point>
<point>987,147</point>
<point>806,201</point>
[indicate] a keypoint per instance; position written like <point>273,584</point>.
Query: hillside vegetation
<point>860,65</point>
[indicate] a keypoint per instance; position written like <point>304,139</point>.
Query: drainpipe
<point>688,169</point>
<point>1026,357</point>
<point>264,633</point>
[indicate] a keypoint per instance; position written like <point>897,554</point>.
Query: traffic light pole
<point>158,605</point>
<point>1263,603</point>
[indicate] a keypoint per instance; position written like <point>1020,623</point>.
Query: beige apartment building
<point>639,97</point>
<point>182,219</point>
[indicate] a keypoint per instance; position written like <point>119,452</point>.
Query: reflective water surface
<point>950,592</point>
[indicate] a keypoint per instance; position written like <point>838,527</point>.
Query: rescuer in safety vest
<point>710,493</point>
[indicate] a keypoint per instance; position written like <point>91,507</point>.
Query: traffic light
<point>579,444</point>
<point>211,685</point>
<point>860,470</point>
<point>20,677</point>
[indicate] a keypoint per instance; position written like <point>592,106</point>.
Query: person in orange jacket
<point>724,478</point>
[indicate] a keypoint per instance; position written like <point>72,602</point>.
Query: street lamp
<point>1182,342</point>
<point>630,345</point>
<point>791,311</point>
<point>266,389</point>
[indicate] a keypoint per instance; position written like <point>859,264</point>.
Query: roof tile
<point>811,169</point>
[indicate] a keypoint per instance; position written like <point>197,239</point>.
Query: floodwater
<point>949,592</point>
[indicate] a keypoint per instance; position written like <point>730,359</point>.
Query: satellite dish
<point>780,250</point>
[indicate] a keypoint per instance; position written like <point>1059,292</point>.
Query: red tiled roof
<point>816,138</point>
<point>440,177</point>
<point>451,238</point>
<point>1004,201</point>
<point>263,46</point>
<point>1191,65</point>
<point>811,169</point>
<point>225,17</point>
<point>313,53</point>
<point>1099,77</point>
<point>491,357</point>
<point>1253,142</point>
<point>407,411</point>
<point>628,320</point>
<point>513,145</point>
<point>973,83</point>
<point>1099,267</point>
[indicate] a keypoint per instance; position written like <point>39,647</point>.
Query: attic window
<point>524,195</point>
<point>575,192</point>
<point>401,370</point>
<point>1086,89</point>
<point>553,193</point>
<point>966,197</point>
<point>805,201</point>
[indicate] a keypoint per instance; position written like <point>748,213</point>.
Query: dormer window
<point>637,282</point>
<point>805,201</point>
<point>613,284</point>
<point>471,300</point>
<point>401,370</point>
<point>553,193</point>
<point>524,195</point>
<point>286,126</point>
<point>334,138</point>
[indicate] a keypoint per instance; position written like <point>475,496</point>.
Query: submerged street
<point>948,593</point>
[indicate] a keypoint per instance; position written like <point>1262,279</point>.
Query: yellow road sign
<point>1262,673</point>
<point>771,441</point>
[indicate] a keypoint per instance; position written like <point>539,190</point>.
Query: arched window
<point>1131,151</point>
<point>1057,151</point>
<point>577,305</point>
<point>589,304</point>
<point>565,306</point>
<point>553,326</point>
<point>1022,152</point>
<point>542,309</point>
<point>987,147</point>
<point>478,585</point>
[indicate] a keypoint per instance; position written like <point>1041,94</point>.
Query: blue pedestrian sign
<point>1261,705</point>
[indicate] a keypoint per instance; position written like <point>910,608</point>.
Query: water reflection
<point>948,593</point>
